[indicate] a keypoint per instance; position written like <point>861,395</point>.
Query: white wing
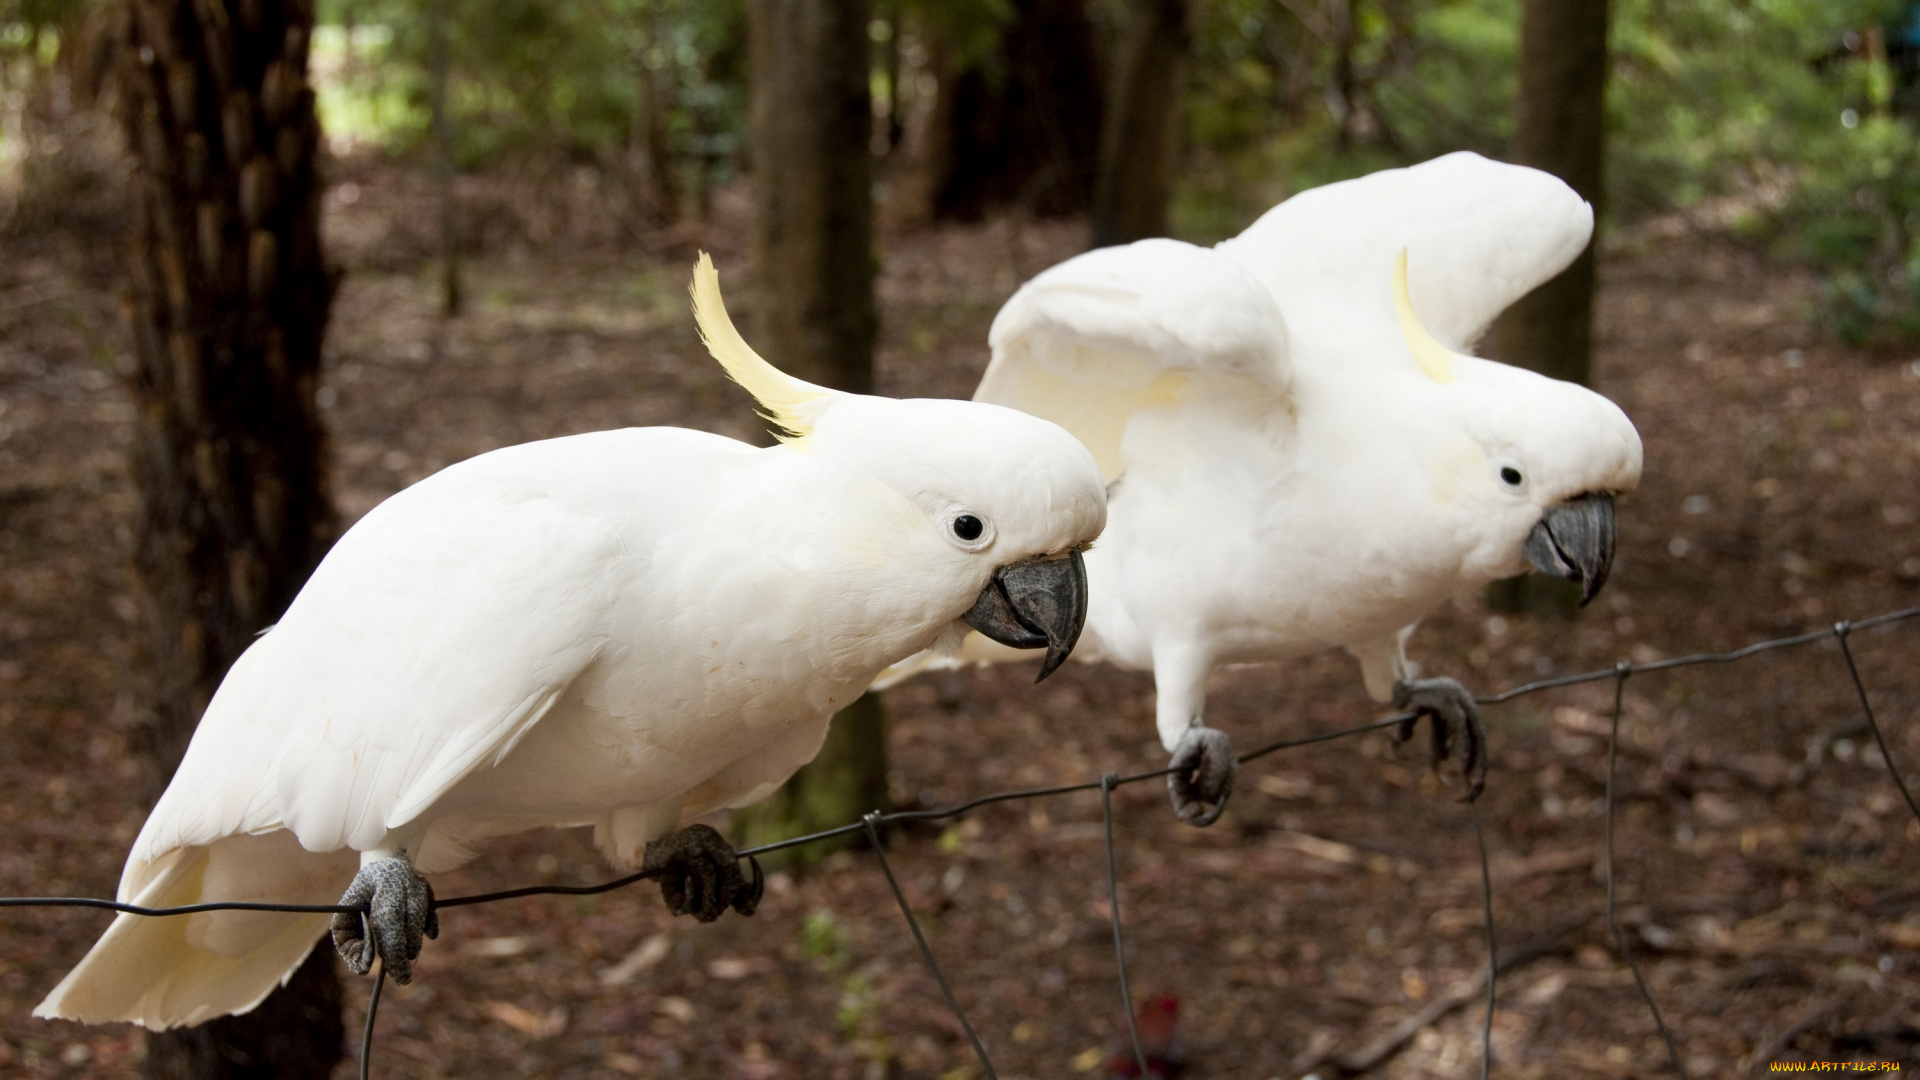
<point>1479,235</point>
<point>435,634</point>
<point>1099,338</point>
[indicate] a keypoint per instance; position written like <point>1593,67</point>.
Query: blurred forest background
<point>1791,122</point>
<point>403,232</point>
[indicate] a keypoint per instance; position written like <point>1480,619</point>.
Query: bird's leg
<point>1203,766</point>
<point>700,874</point>
<point>398,919</point>
<point>1203,760</point>
<point>1456,724</point>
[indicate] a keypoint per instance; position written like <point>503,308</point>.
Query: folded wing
<point>433,637</point>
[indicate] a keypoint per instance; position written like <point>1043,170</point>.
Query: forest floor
<point>1769,874</point>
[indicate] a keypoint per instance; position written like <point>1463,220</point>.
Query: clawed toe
<point>1456,724</point>
<point>1204,766</point>
<point>699,874</point>
<point>399,918</point>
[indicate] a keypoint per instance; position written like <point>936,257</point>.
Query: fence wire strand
<point>1840,632</point>
<point>1493,947</point>
<point>1113,913</point>
<point>373,1009</point>
<point>913,924</point>
<point>870,825</point>
<point>1621,671</point>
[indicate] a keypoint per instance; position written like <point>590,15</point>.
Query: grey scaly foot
<point>700,874</point>
<point>399,918</point>
<point>1204,766</point>
<point>1456,724</point>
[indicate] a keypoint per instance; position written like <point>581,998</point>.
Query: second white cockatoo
<point>1300,452</point>
<point>621,630</point>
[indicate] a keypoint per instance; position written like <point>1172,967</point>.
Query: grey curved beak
<point>1575,541</point>
<point>1041,604</point>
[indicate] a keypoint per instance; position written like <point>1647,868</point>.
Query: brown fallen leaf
<point>1328,850</point>
<point>496,947</point>
<point>644,957</point>
<point>526,1021</point>
<point>1509,870</point>
<point>731,968</point>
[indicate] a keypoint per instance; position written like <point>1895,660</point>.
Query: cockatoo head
<point>1002,503</point>
<point>1539,465</point>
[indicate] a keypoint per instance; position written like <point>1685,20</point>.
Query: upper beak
<point>1575,541</point>
<point>1035,604</point>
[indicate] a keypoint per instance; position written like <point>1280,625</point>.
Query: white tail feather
<point>172,971</point>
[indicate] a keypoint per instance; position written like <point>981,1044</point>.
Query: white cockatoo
<point>1299,451</point>
<point>622,630</point>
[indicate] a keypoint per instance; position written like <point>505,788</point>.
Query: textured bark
<point>1561,129</point>
<point>443,168</point>
<point>894,127</point>
<point>1140,141</point>
<point>814,268</point>
<point>295,1034</point>
<point>814,314</point>
<point>1023,129</point>
<point>656,85</point>
<point>228,298</point>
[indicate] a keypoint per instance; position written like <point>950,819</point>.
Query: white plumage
<point>1301,456</point>
<point>621,630</point>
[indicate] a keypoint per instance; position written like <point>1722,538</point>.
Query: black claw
<point>399,916</point>
<point>1203,766</point>
<point>748,899</point>
<point>699,874</point>
<point>1456,725</point>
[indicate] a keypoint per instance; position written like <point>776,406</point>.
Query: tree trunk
<point>814,313</point>
<point>656,86</point>
<point>895,122</point>
<point>1020,129</point>
<point>1561,129</point>
<point>228,300</point>
<point>1140,141</point>
<point>450,298</point>
<point>1340,85</point>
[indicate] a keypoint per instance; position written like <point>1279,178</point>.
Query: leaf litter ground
<point>1767,868</point>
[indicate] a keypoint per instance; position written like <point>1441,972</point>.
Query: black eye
<point>968,527</point>
<point>1511,475</point>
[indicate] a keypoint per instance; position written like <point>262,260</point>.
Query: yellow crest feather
<point>785,400</point>
<point>1434,358</point>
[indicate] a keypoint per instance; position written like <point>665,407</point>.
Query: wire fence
<point>870,826</point>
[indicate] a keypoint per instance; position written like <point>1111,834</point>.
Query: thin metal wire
<point>366,1035</point>
<point>1696,658</point>
<point>1840,632</point>
<point>188,909</point>
<point>1113,912</point>
<point>554,890</point>
<point>1493,950</point>
<point>871,822</point>
<point>1620,673</point>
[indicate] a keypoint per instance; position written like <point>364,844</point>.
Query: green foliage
<point>1738,100</point>
<point>822,942</point>
<point>566,75</point>
<point>971,29</point>
<point>1711,98</point>
<point>1858,219</point>
<point>1268,113</point>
